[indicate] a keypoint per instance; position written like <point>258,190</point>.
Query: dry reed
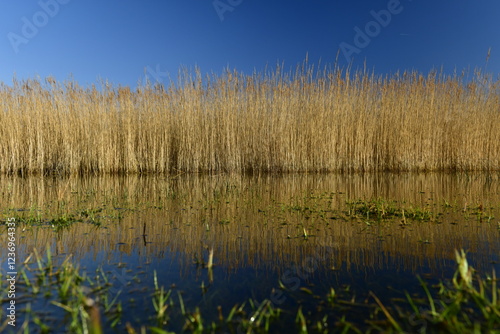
<point>305,121</point>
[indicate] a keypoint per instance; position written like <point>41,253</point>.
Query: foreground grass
<point>314,121</point>
<point>466,303</point>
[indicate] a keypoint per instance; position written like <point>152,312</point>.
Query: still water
<point>287,239</point>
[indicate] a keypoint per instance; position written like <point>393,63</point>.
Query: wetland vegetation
<point>233,204</point>
<point>243,254</point>
<point>309,120</point>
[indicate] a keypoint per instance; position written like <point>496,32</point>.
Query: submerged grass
<point>304,121</point>
<point>68,208</point>
<point>60,214</point>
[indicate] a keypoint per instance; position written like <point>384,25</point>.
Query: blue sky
<point>121,41</point>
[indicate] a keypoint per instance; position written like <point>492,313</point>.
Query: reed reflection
<point>268,222</point>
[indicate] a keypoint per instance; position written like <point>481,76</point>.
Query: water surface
<point>300,232</point>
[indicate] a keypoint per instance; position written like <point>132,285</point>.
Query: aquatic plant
<point>304,121</point>
<point>465,303</point>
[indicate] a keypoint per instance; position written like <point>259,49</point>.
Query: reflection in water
<point>259,221</point>
<point>266,232</point>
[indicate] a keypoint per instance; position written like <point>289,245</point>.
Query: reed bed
<point>330,120</point>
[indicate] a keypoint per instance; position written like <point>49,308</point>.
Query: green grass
<point>60,214</point>
<point>465,303</point>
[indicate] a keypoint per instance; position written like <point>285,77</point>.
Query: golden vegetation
<point>307,121</point>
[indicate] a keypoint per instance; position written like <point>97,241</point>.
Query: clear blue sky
<point>120,40</point>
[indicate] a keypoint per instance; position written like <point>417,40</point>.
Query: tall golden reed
<point>305,121</point>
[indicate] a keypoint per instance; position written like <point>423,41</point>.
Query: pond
<point>223,253</point>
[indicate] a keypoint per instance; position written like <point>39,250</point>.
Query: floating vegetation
<point>383,209</point>
<point>74,208</point>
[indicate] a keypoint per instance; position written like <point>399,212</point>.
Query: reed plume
<point>332,120</point>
